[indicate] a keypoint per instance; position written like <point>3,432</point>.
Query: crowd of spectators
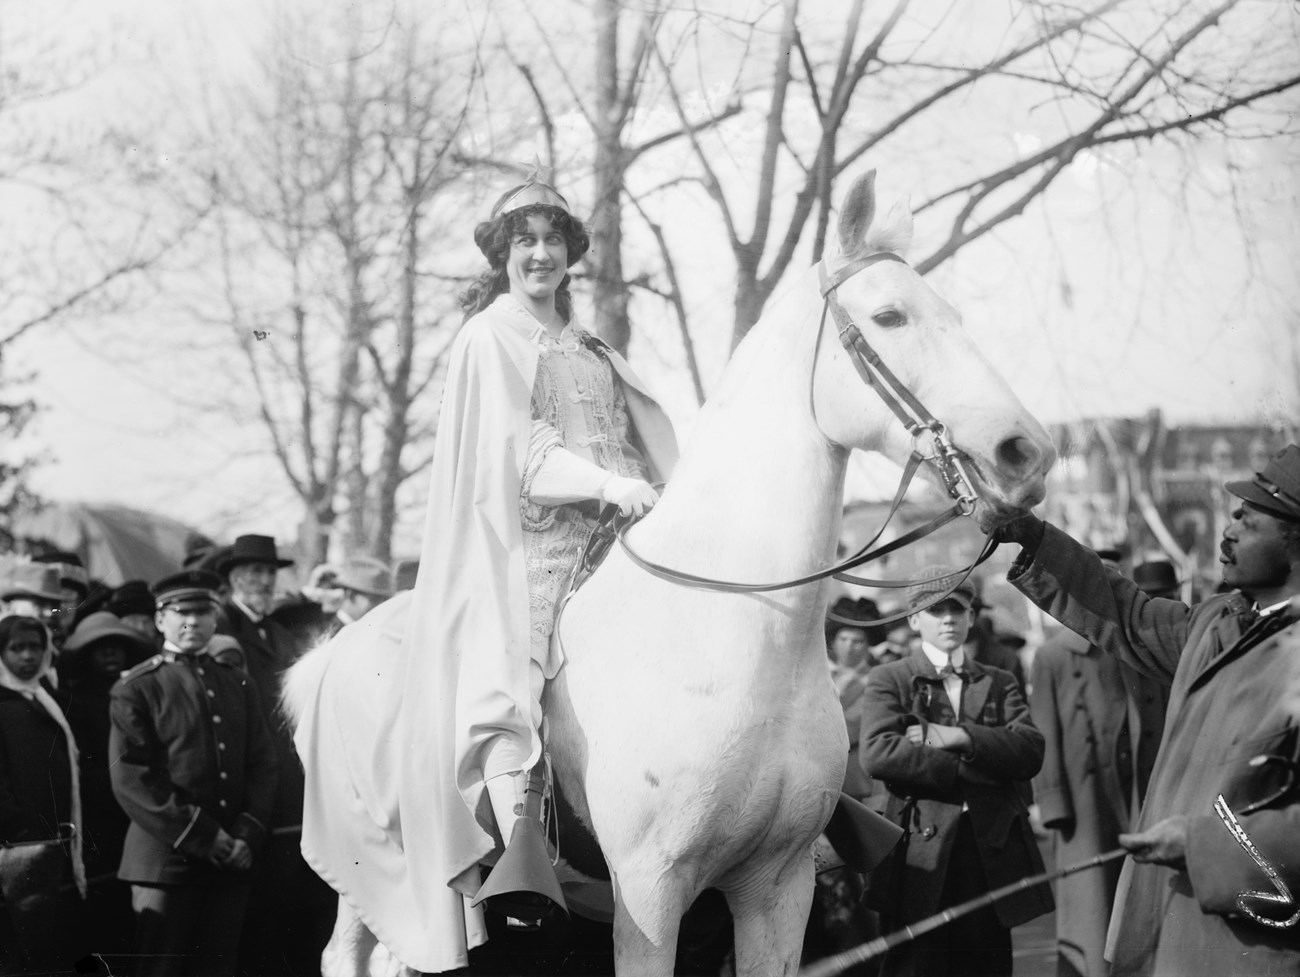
<point>149,785</point>
<point>106,765</point>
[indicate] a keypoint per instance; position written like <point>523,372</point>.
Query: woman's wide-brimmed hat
<point>100,625</point>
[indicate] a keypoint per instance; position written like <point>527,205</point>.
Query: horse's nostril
<point>1018,454</point>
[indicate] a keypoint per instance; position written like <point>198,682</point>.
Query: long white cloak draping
<point>395,816</point>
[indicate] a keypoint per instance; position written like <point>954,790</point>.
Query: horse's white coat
<point>699,731</point>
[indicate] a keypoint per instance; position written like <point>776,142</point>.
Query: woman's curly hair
<point>493,238</point>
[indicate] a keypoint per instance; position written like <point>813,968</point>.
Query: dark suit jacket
<point>1007,749</point>
<point>189,754</point>
<point>269,648</point>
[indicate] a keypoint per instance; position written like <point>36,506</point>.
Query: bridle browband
<point>918,421</point>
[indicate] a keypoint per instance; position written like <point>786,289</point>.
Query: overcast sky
<point>1194,325</point>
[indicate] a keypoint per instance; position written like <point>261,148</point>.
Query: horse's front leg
<point>770,909</point>
<point>648,908</point>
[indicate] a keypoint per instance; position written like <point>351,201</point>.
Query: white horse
<point>697,732</point>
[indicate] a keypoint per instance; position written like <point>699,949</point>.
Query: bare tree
<point>1109,73</point>
<point>330,238</point>
<point>82,220</point>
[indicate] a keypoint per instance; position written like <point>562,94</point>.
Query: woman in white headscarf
<point>40,808</point>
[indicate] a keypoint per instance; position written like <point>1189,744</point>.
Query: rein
<point>918,421</point>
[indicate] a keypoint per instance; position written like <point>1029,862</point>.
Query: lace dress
<point>577,405</point>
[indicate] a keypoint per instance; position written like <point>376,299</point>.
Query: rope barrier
<point>831,966</point>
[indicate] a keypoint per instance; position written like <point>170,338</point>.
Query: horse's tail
<point>302,680</point>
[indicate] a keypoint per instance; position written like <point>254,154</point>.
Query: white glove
<point>631,495</point>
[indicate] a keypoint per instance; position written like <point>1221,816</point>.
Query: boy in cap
<point>194,769</point>
<point>1229,662</point>
<point>952,741</point>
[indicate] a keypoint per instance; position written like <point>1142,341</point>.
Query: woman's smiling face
<point>537,262</point>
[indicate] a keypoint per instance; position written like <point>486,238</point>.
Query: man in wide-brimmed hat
<point>279,928</point>
<point>1184,894</point>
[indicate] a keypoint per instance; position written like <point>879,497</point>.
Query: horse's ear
<point>857,212</point>
<point>894,232</point>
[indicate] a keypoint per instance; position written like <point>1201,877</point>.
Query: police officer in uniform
<point>194,768</point>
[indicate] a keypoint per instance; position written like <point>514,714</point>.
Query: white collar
<point>938,659</point>
<point>1273,608</point>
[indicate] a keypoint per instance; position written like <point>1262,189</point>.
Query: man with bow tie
<point>1229,662</point>
<point>952,741</point>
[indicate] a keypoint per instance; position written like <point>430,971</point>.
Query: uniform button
<point>211,694</point>
<point>200,671</point>
<point>221,746</point>
<point>222,803</point>
<point>224,775</point>
<point>216,719</point>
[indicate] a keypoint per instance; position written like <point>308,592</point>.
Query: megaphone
<point>523,884</point>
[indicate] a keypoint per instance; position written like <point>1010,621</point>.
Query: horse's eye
<point>889,319</point>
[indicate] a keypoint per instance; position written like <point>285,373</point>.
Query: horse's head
<point>919,338</point>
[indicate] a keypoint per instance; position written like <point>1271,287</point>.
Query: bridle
<point>921,425</point>
<point>905,405</point>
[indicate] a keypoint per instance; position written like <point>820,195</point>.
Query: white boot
<point>506,793</point>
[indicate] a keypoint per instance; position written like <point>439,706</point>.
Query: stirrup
<point>523,884</point>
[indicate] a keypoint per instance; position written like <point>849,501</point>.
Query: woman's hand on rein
<point>633,496</point>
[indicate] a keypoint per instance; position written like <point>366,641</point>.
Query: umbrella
<point>116,543</point>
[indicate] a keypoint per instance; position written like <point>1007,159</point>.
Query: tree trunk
<point>606,255</point>
<point>397,425</point>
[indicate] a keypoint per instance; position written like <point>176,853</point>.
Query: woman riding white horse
<point>696,732</point>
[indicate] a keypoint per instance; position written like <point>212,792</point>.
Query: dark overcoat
<point>269,649</point>
<point>1079,701</point>
<point>1227,705</point>
<point>35,771</point>
<point>1007,750</point>
<point>190,754</point>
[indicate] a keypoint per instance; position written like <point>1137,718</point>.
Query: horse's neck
<point>760,490</point>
